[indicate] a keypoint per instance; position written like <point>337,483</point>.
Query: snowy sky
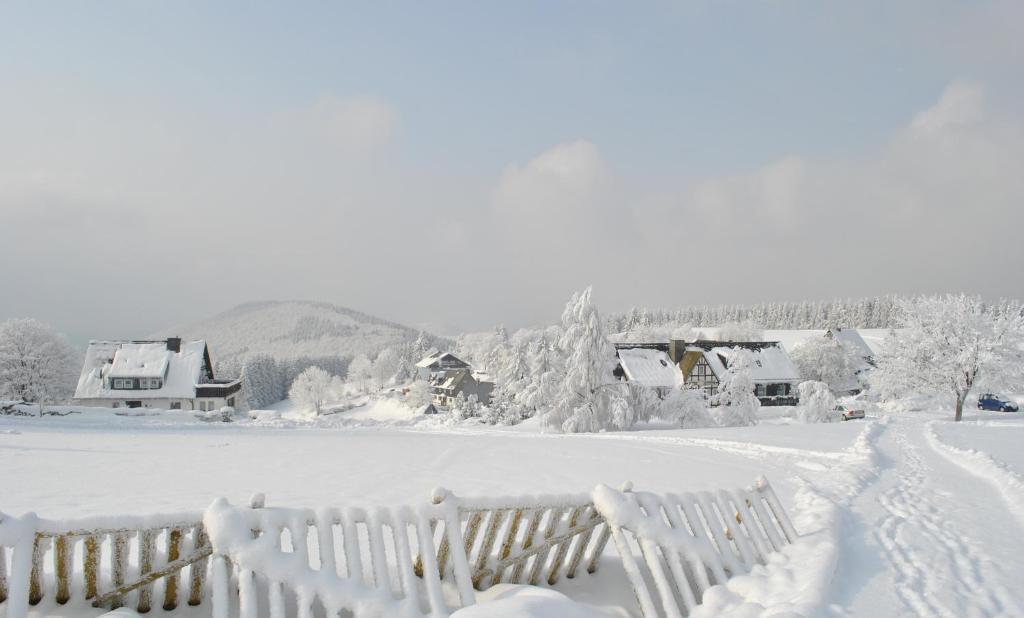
<point>462,164</point>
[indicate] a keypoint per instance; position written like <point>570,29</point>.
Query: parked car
<point>849,413</point>
<point>988,401</point>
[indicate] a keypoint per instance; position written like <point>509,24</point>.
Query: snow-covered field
<point>906,514</point>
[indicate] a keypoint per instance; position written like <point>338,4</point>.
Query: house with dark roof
<point>439,362</point>
<point>165,373</point>
<point>448,386</point>
<point>702,364</point>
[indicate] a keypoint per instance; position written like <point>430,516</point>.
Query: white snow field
<point>901,515</point>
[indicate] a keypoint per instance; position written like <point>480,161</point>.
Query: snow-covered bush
<point>311,389</point>
<point>737,405</point>
<point>817,405</point>
<point>829,360</point>
<point>466,407</point>
<point>687,407</point>
<point>418,395</point>
<point>950,344</point>
<point>589,397</point>
<point>36,364</point>
<point>643,401</point>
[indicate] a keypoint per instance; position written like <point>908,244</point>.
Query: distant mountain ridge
<point>294,329</point>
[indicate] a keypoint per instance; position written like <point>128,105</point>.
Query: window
<point>759,390</point>
<point>175,405</point>
<point>122,384</point>
<point>116,404</point>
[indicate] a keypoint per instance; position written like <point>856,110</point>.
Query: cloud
<point>565,181</point>
<point>961,105</point>
<point>357,124</point>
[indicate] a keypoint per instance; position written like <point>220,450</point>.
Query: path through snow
<point>934,540</point>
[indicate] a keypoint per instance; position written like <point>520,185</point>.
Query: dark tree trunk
<point>959,408</point>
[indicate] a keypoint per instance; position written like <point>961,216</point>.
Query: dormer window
<point>150,383</point>
<point>121,384</point>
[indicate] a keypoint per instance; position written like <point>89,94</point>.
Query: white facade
<point>164,374</point>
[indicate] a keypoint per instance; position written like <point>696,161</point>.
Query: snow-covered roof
<point>181,371</point>
<point>770,363</point>
<point>852,337</point>
<point>432,359</point>
<point>140,360</point>
<point>649,367</point>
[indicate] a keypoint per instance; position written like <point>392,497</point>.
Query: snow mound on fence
<point>518,601</point>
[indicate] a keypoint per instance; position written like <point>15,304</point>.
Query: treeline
<point>267,379</point>
<point>877,312</point>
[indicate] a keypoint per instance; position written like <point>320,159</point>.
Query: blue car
<point>988,401</point>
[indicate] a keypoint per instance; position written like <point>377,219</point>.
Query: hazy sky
<point>469,163</point>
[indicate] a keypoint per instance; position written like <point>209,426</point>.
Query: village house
<point>164,374</point>
<point>702,364</point>
<point>461,381</point>
<point>439,362</point>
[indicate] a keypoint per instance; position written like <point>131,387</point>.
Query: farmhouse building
<point>702,364</point>
<point>163,374</point>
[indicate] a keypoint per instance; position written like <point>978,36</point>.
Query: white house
<point>152,374</point>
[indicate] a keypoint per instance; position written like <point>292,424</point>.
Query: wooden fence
<point>390,559</point>
<point>141,561</point>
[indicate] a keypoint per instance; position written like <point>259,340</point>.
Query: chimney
<point>174,344</point>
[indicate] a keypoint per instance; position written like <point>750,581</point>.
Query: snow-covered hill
<point>291,329</point>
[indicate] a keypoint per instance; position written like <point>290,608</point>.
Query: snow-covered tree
<point>589,397</point>
<point>418,395</point>
<point>263,381</point>
<point>360,372</point>
<point>950,344</point>
<point>546,369</point>
<point>737,404</point>
<point>385,367</point>
<point>311,389</point>
<point>829,360</point>
<point>817,405</point>
<point>37,365</point>
<point>746,330</point>
<point>688,407</point>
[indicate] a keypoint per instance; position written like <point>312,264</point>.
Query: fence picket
<point>171,583</point>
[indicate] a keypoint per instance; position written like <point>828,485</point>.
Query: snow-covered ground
<point>907,514</point>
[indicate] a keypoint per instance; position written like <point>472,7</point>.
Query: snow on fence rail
<point>409,561</point>
<point>158,559</point>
